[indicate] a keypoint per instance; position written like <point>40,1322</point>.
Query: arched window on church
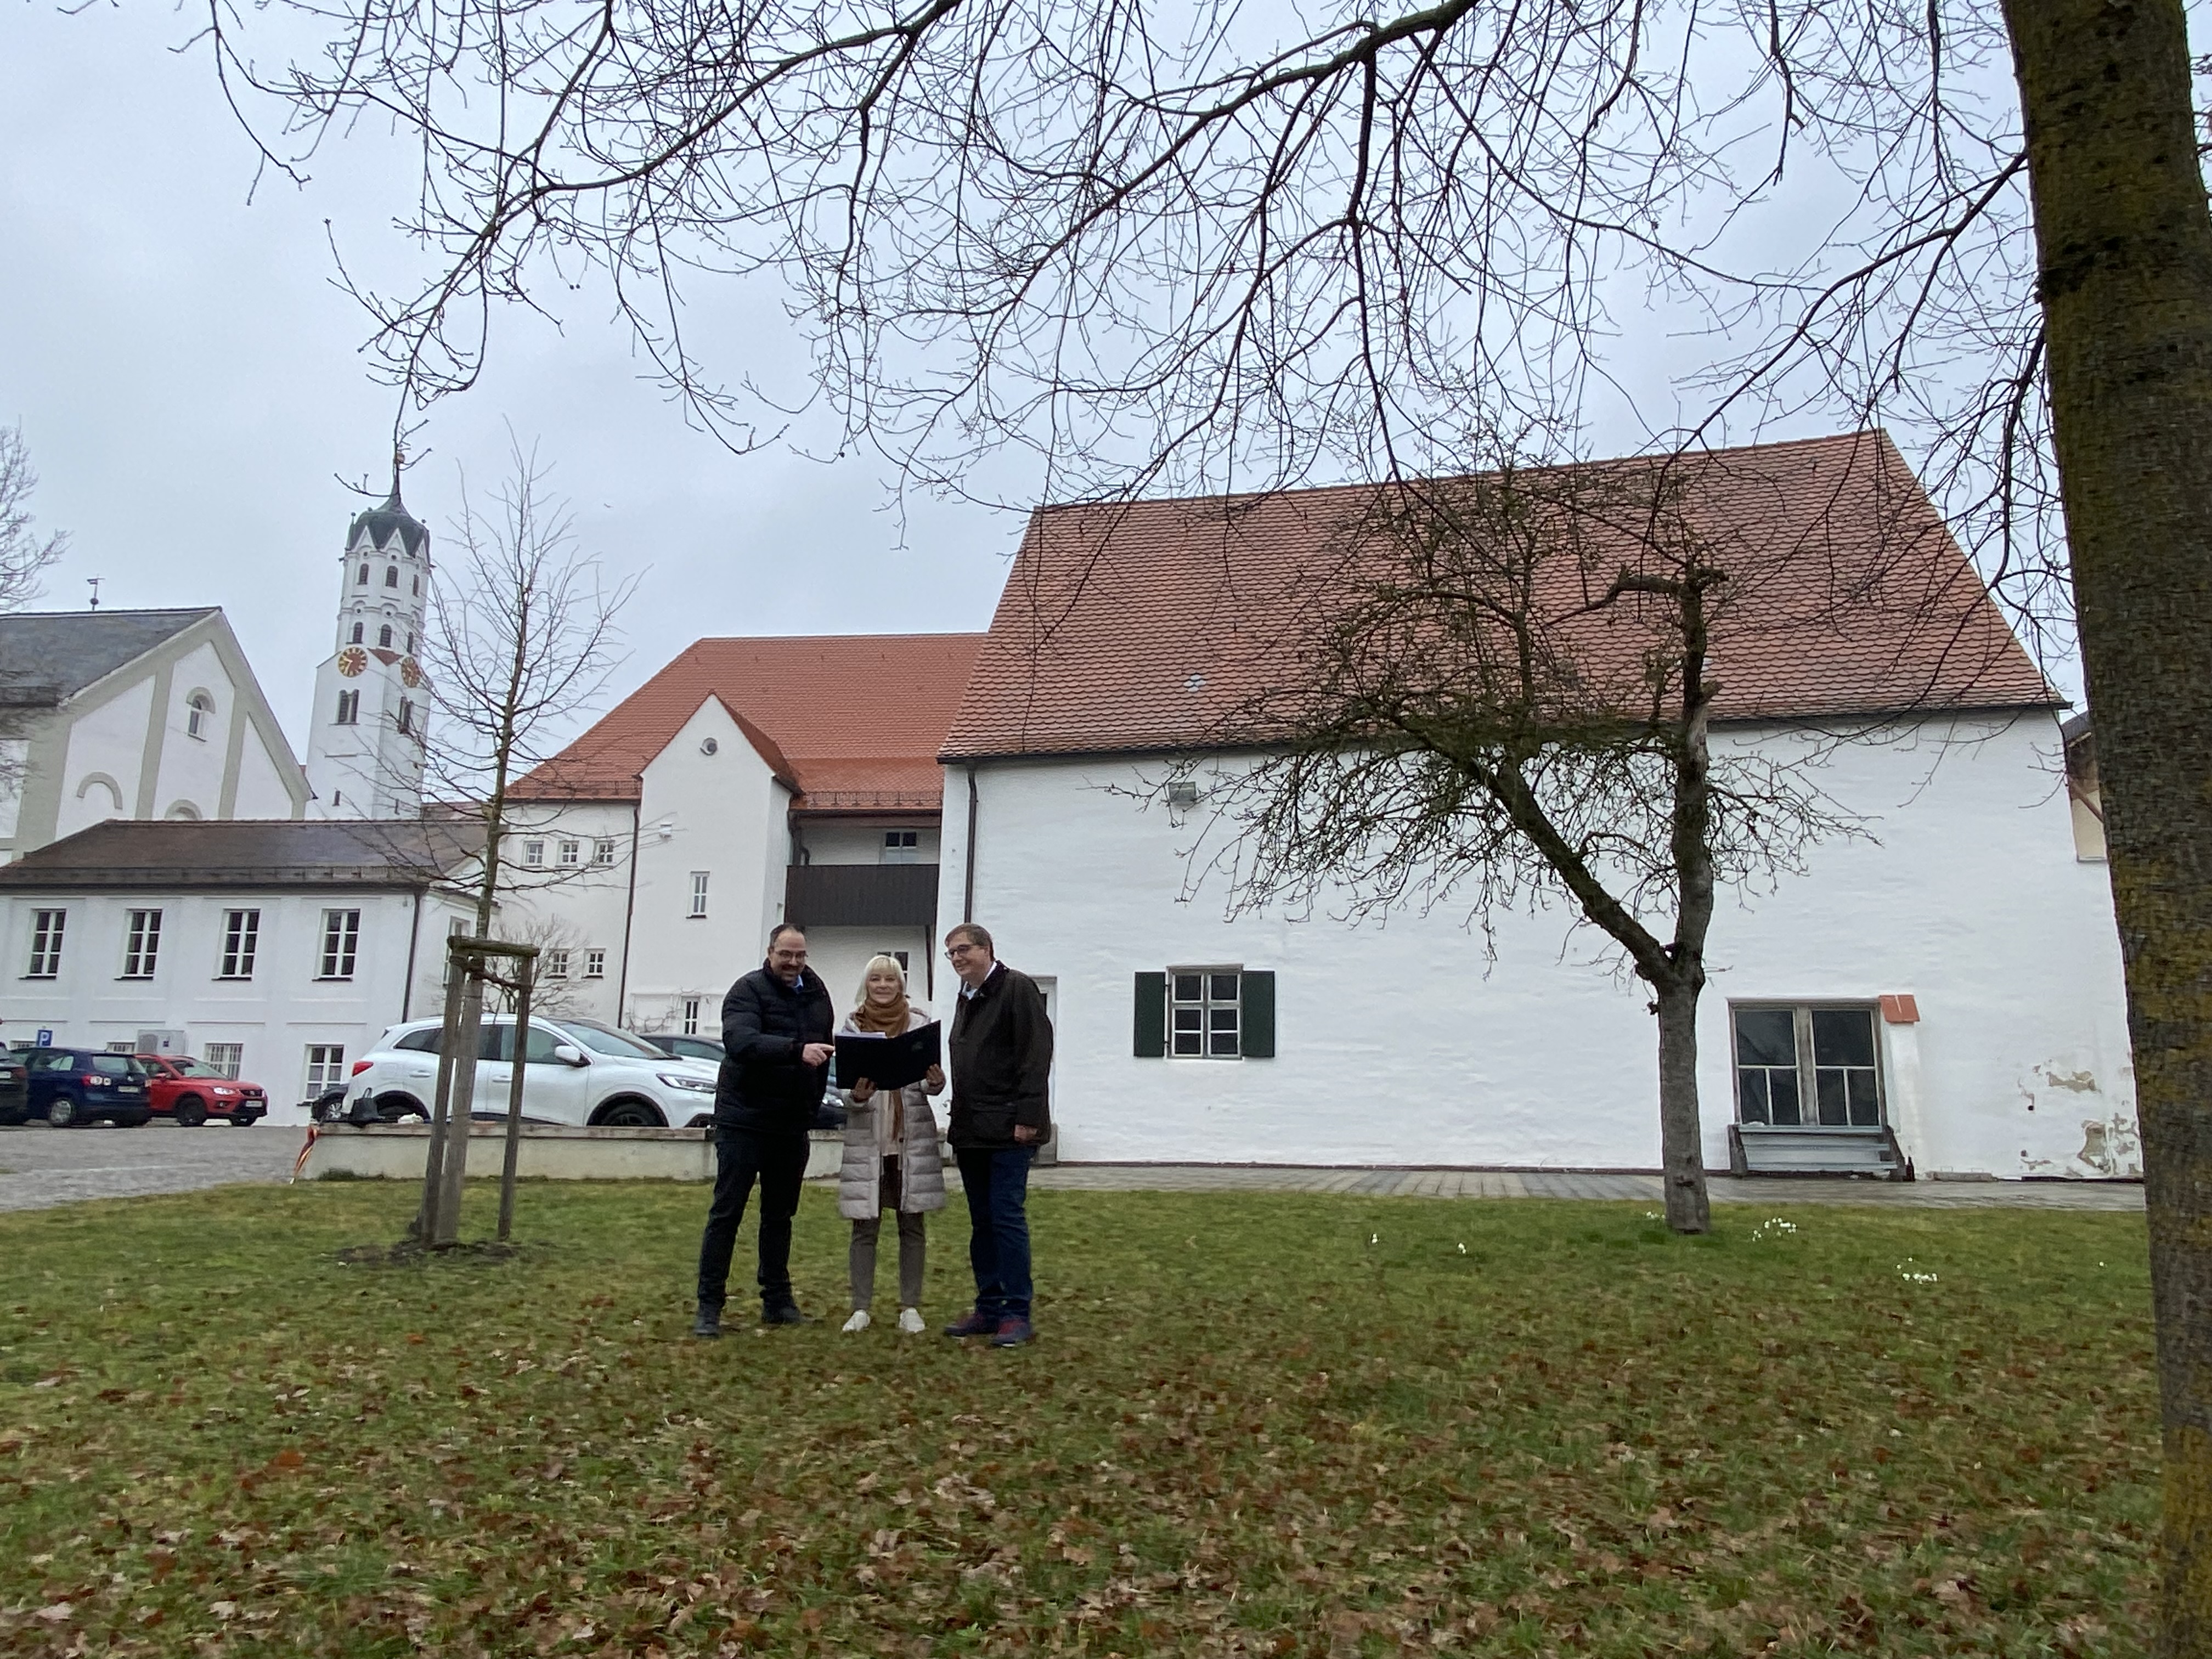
<point>411,644</point>
<point>384,638</point>
<point>356,635</point>
<point>392,576</point>
<point>361,581</point>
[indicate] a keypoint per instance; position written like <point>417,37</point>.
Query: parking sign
<point>45,1037</point>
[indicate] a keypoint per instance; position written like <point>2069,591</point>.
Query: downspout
<point>414,938</point>
<point>968,895</point>
<point>630,907</point>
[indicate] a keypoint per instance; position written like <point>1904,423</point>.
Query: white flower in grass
<point>1462,1250</point>
<point>1909,1271</point>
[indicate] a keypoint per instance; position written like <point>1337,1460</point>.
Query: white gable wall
<point>189,783</point>
<point>723,814</point>
<point>105,754</point>
<point>1399,1044</point>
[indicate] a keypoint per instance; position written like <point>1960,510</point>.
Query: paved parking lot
<point>40,1167</point>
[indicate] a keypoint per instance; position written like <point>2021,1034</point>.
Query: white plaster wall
<point>723,813</point>
<point>1400,1043</point>
<point>275,1015</point>
<point>190,768</point>
<point>110,740</point>
<point>828,842</point>
<point>261,789</point>
<point>587,905</point>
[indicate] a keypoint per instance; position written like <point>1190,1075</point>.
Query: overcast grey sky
<point>187,380</point>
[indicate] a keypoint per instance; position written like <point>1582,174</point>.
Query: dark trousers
<point>997,1186</point>
<point>777,1159</point>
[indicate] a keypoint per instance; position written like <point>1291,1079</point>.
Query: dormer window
<point>384,638</point>
<point>392,576</point>
<point>356,635</point>
<point>361,581</point>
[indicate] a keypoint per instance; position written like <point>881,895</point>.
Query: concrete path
<point>41,1167</point>
<point>1637,1188</point>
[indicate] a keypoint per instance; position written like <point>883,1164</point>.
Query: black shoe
<point>787,1315</point>
<point>709,1322</point>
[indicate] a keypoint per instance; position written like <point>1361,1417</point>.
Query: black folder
<point>889,1063</point>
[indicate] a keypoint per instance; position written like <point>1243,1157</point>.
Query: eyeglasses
<point>954,952</point>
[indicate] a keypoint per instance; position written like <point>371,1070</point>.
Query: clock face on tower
<point>410,675</point>
<point>352,660</point>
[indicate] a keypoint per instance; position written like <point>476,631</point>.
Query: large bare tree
<point>25,556</point>
<point>1499,698</point>
<point>1202,241</point>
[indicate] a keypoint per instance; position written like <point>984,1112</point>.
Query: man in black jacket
<point>1001,1052</point>
<point>776,1026</point>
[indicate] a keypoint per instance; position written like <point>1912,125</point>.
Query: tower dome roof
<point>380,524</point>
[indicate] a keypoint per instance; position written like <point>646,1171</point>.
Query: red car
<point>191,1091</point>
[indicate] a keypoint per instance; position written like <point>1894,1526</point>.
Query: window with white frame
<point>46,928</point>
<point>326,1067</point>
<point>1807,1066</point>
<point>595,964</point>
<point>1204,1012</point>
<point>691,1015</point>
<point>199,711</point>
<point>556,964</point>
<point>533,855</point>
<point>341,943</point>
<point>455,925</point>
<point>572,854</point>
<point>902,846</point>
<point>602,850</point>
<point>142,944</point>
<point>241,943</point>
<point>698,893</point>
<point>227,1058</point>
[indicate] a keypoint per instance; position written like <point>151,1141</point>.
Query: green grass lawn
<point>1256,1425</point>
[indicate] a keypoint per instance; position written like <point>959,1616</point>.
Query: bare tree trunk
<point>425,1224</point>
<point>2125,249</point>
<point>455,1166</point>
<point>526,973</point>
<point>1681,1138</point>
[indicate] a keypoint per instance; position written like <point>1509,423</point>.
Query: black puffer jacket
<point>765,1022</point>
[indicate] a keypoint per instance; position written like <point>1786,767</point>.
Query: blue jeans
<point>997,1186</point>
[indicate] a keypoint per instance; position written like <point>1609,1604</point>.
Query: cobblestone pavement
<point>41,1167</point>
<point>1500,1183</point>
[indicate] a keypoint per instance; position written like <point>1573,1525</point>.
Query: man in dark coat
<point>776,1026</point>
<point>1001,1053</point>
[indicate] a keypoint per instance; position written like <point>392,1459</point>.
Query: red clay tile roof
<point>853,721</point>
<point>1155,625</point>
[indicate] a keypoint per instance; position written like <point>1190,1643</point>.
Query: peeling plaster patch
<point>2079,1083</point>
<point>2111,1147</point>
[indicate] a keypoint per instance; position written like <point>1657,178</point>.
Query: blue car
<point>73,1086</point>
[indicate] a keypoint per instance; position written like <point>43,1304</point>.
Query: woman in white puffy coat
<point>892,1162</point>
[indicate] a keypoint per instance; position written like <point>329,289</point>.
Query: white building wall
<point>578,910</point>
<point>262,793</point>
<point>189,783</point>
<point>827,841</point>
<point>274,1015</point>
<point>723,814</point>
<point>105,753</point>
<point>1400,1043</point>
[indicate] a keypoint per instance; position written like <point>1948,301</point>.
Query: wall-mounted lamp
<point>708,746</point>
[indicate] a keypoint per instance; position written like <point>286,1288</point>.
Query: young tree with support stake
<point>523,642</point>
<point>1328,247</point>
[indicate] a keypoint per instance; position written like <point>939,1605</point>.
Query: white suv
<point>577,1071</point>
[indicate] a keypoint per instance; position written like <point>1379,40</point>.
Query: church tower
<point>365,747</point>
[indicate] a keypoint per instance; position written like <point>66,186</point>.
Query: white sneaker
<point>910,1322</point>
<point>859,1322</point>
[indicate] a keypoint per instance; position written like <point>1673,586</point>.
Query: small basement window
<point>1807,1066</point>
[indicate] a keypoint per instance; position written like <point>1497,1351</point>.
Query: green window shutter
<point>1259,992</point>
<point>1151,1015</point>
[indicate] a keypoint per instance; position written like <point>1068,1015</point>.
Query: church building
<point>365,743</point>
